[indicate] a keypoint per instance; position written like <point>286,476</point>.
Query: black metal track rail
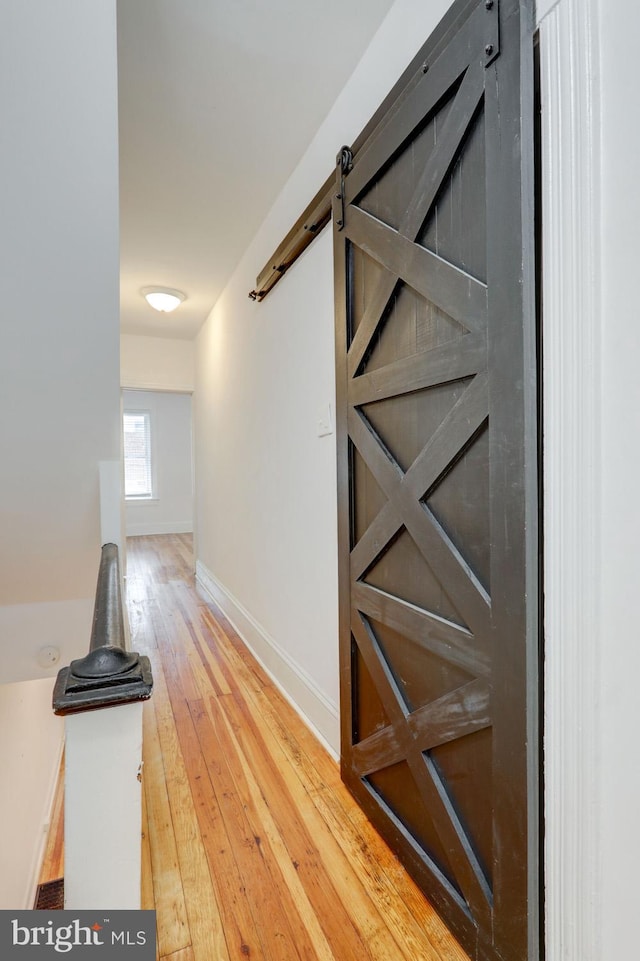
<point>318,213</point>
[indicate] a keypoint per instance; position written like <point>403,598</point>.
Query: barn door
<point>437,439</point>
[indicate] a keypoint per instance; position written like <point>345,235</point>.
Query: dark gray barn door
<point>434,247</point>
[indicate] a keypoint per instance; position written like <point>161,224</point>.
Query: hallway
<point>252,847</point>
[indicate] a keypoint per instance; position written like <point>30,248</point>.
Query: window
<point>138,475</point>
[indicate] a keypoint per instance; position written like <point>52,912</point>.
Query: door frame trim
<point>572,376</point>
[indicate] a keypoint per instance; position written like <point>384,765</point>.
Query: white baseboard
<point>318,712</point>
<point>152,527</point>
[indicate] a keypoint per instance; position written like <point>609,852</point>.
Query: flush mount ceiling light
<point>164,299</point>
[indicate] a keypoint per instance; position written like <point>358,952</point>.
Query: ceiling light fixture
<point>164,299</point>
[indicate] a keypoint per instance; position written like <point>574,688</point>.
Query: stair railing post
<point>101,697</point>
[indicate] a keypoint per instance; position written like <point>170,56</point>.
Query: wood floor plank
<point>171,918</point>
<point>187,954</point>
<point>412,915</point>
<point>307,929</point>
<point>147,901</point>
<point>205,922</point>
<point>242,669</point>
<point>284,935</point>
<point>241,934</point>
<point>374,938</point>
<point>412,918</point>
<point>265,902</point>
<point>295,871</point>
<point>192,612</point>
<point>53,863</point>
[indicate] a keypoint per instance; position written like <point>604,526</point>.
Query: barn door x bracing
<point>437,428</point>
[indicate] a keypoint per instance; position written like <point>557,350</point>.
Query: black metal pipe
<point>108,622</point>
<point>109,674</point>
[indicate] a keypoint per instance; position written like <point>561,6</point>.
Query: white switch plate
<point>325,420</point>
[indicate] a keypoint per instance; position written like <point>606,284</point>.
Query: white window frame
<point>151,460</point>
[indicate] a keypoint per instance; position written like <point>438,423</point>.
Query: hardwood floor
<point>53,862</point>
<point>252,847</point>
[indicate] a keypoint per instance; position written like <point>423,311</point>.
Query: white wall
<point>592,417</point>
<point>620,462</point>
<point>29,761</point>
<point>157,363</point>
<point>170,511</point>
<point>572,321</point>
<point>59,376</point>
<point>265,482</point>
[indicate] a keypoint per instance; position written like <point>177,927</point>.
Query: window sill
<point>141,500</point>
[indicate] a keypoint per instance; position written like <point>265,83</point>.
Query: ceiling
<point>218,101</point>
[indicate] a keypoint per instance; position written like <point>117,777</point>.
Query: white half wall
<point>170,510</point>
<point>157,363</point>
<point>29,761</point>
<point>103,775</point>
<point>265,480</point>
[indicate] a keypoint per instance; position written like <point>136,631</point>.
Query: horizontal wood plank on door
<point>442,638</point>
<point>461,712</point>
<point>440,365</point>
<point>238,764</point>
